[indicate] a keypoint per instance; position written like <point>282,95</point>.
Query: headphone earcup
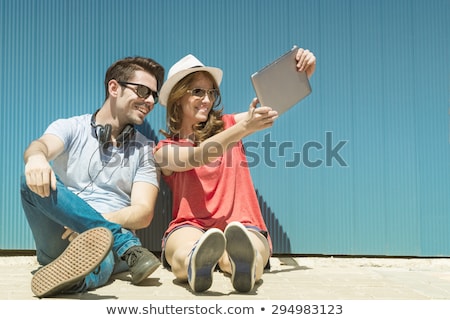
<point>104,134</point>
<point>125,135</point>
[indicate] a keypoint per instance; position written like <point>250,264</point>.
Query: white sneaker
<point>242,256</point>
<point>204,256</point>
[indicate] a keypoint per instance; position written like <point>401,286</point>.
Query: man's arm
<point>38,172</point>
<point>141,211</point>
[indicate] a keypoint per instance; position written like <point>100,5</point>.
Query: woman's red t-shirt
<point>216,194</point>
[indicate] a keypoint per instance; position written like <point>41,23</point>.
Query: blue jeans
<point>47,218</point>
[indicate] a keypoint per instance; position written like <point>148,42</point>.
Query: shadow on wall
<point>151,237</point>
<point>280,240</point>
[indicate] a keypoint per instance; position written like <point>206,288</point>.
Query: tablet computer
<point>279,85</point>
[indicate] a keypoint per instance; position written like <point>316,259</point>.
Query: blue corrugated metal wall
<point>361,167</point>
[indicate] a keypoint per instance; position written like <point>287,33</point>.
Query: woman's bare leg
<point>193,254</point>
<point>177,249</point>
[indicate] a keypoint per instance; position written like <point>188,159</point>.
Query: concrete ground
<point>290,278</point>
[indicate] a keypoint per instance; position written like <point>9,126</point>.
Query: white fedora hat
<point>181,69</point>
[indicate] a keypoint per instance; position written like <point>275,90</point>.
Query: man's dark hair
<point>124,69</point>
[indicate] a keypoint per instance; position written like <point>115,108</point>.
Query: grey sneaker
<point>242,256</point>
<point>141,262</point>
<point>82,256</point>
<point>204,256</point>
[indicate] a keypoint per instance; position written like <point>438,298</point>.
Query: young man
<point>89,182</point>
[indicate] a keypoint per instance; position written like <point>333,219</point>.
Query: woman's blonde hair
<point>174,116</point>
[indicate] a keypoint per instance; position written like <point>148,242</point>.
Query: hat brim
<point>173,80</point>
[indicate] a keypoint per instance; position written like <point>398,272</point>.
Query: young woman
<point>216,214</point>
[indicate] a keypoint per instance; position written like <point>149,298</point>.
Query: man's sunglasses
<point>141,91</point>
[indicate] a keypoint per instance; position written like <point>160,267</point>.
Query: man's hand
<point>39,175</point>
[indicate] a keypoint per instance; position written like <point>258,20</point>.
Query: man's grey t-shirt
<point>103,178</point>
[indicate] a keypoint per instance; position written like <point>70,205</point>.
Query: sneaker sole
<point>204,258</point>
<point>79,259</point>
<point>242,257</point>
